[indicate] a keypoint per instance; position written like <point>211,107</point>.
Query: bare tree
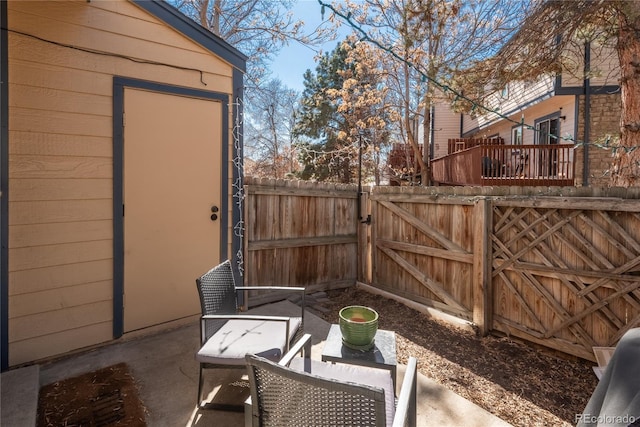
<point>427,41</point>
<point>258,28</point>
<point>268,131</point>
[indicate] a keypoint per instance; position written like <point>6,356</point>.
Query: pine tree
<point>318,126</point>
<point>344,115</point>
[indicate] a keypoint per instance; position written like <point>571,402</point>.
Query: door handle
<point>214,215</point>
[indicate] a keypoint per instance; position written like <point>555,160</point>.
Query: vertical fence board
<point>300,234</point>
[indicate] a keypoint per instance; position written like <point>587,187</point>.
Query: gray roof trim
<point>516,109</point>
<point>176,19</point>
<point>579,90</point>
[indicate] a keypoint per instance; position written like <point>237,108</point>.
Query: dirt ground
<point>524,386</point>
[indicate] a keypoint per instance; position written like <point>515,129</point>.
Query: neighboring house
<point>558,113</point>
<point>119,180</point>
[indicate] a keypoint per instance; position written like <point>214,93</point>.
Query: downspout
<point>587,112</point>
<point>432,136</point>
<point>4,186</point>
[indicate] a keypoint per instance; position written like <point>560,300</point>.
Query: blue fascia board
<point>177,20</point>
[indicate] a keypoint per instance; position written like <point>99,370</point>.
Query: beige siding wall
<point>605,66</point>
<point>503,128</point>
<point>60,159</point>
<point>447,125</point>
<point>530,115</point>
<point>509,102</point>
<point>604,71</point>
<point>573,67</point>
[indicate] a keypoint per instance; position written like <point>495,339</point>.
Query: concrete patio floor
<point>166,372</point>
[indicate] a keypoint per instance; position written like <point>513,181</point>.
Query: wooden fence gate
<point>423,250</point>
<point>300,233</point>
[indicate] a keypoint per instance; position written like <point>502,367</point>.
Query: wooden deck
<point>507,165</point>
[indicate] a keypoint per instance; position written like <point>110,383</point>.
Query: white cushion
<point>380,378</point>
<point>265,338</point>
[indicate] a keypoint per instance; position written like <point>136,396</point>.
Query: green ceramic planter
<point>358,325</point>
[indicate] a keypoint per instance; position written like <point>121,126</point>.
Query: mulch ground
<point>522,385</point>
<point>103,398</point>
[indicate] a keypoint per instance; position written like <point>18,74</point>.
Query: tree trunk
<point>426,142</point>
<point>217,7</point>
<point>411,137</point>
<point>626,162</point>
<point>204,5</point>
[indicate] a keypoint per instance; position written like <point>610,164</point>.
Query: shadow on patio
<point>166,372</point>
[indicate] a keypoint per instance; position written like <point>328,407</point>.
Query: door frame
<point>119,85</point>
<point>545,160</point>
<point>4,190</point>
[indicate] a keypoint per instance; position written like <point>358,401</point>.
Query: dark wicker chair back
<point>286,397</point>
<point>218,295</point>
<point>226,334</point>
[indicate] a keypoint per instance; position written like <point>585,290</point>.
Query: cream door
<point>172,163</point>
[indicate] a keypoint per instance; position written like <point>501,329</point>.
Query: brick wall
<point>605,120</point>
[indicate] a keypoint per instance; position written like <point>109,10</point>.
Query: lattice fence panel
<point>565,278</point>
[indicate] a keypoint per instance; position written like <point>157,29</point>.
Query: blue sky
<point>289,66</point>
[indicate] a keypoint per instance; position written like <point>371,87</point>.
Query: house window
<point>516,135</point>
<point>504,93</point>
<point>548,130</point>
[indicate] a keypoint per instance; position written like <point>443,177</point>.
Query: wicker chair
<point>304,392</point>
<point>226,336</point>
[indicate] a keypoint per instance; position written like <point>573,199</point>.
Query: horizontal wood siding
<point>300,234</point>
<point>519,95</point>
<point>565,105</point>
<point>60,158</point>
<point>604,66</point>
<point>447,126</point>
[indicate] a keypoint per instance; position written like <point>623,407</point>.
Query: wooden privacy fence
<point>300,233</point>
<point>557,267</point>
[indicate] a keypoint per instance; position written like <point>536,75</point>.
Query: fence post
<point>482,256</point>
<point>363,230</point>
